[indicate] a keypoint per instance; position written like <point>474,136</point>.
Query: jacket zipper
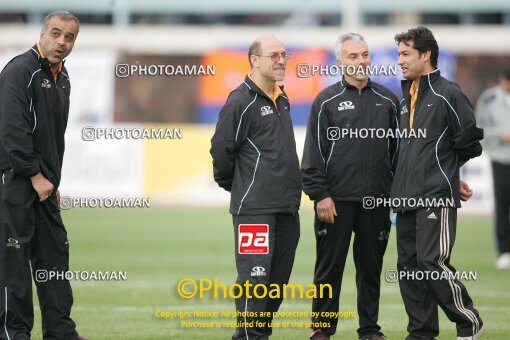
<point>276,107</point>
<point>407,168</point>
<point>414,124</point>
<point>364,145</point>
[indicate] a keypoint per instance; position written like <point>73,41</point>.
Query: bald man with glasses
<point>254,158</point>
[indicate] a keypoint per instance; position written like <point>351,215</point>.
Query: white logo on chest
<point>266,110</point>
<point>46,83</point>
<point>347,105</point>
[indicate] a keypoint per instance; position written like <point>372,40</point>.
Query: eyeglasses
<point>275,57</point>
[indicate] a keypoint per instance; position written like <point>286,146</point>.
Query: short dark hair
<point>423,41</point>
<point>64,15</point>
<point>506,73</point>
<point>255,49</point>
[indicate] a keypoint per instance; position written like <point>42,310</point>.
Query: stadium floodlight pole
<point>351,16</point>
<point>121,15</point>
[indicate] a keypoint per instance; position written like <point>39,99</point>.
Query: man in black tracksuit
<point>338,172</point>
<point>34,106</point>
<point>428,168</point>
<point>254,158</point>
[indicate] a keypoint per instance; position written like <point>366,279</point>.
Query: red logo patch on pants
<point>253,238</point>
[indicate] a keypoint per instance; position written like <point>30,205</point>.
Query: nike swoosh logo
<point>378,104</point>
<point>430,104</point>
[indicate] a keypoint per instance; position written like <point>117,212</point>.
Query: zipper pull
<point>3,178</point>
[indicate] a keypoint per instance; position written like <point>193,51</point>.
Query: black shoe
<point>79,337</point>
<point>319,335</point>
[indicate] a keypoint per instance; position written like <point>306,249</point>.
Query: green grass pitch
<point>157,247</point>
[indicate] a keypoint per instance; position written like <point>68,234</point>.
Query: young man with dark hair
<point>493,114</point>
<point>34,108</point>
<point>428,168</point>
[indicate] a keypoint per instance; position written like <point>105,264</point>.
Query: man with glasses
<point>254,158</point>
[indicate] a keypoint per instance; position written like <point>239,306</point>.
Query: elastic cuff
<point>322,196</point>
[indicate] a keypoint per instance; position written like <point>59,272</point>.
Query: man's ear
<point>338,62</point>
<point>254,61</point>
<point>426,56</point>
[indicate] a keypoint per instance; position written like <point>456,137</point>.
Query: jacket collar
<point>345,83</point>
<point>43,60</point>
<point>424,83</point>
<point>253,87</point>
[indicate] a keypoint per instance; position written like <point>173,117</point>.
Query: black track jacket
<point>350,168</point>
<point>254,153</point>
<point>428,168</point>
<point>33,117</point>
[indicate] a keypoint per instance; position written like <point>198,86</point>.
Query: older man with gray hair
<point>338,173</point>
